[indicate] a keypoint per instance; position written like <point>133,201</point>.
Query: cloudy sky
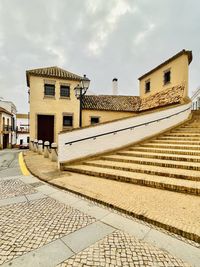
<point>101,38</point>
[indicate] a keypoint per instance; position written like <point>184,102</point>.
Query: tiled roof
<point>111,102</point>
<point>183,52</point>
<point>22,116</point>
<point>3,110</point>
<point>163,98</point>
<point>53,72</point>
<point>166,97</point>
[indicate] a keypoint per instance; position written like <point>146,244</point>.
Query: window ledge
<point>49,97</point>
<point>166,83</point>
<point>69,128</point>
<point>65,97</point>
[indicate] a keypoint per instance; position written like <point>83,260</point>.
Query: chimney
<point>114,86</point>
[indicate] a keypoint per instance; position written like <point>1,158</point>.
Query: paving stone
<point>120,249</point>
<point>30,225</point>
<point>14,187</point>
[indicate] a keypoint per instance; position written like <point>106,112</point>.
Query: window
<point>65,91</point>
<point>147,86</point>
<point>94,120</point>
<point>167,76</point>
<point>21,141</point>
<point>68,121</point>
<point>49,90</point>
<point>28,139</point>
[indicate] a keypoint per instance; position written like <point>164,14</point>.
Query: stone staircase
<point>170,161</point>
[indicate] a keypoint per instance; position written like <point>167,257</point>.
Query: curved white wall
<point>100,144</point>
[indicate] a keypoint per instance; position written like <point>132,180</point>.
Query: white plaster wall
<point>196,102</point>
<point>23,137</point>
<point>7,117</point>
<point>113,141</point>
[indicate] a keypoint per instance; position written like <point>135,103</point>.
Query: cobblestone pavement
<point>175,212</point>
<point>14,187</point>
<point>120,249</point>
<point>28,226</point>
<point>43,226</point>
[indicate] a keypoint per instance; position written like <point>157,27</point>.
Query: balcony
<point>7,128</point>
<point>22,129</point>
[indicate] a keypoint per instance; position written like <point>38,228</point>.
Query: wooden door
<point>45,130</point>
<point>5,140</point>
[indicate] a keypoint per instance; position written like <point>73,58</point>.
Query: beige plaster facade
<point>48,105</point>
<point>104,116</point>
<point>178,68</point>
<point>59,107</point>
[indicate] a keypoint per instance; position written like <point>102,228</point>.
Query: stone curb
<point>148,183</point>
<point>136,214</point>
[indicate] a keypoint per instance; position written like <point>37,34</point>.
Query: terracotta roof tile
<point>111,102</point>
<point>166,97</point>
<point>53,72</point>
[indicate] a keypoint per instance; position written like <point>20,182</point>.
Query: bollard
<point>46,149</point>
<point>54,155</point>
<point>40,147</point>
<point>31,144</point>
<point>35,145</point>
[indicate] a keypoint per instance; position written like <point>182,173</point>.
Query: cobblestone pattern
<point>14,187</point>
<point>28,226</point>
<point>120,249</point>
<point>188,241</point>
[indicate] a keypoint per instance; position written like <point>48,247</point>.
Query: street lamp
<point>80,91</point>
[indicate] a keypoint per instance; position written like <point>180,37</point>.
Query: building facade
<point>23,135</point>
<point>7,124</point>
<point>54,107</point>
<point>170,73</point>
<point>196,100</point>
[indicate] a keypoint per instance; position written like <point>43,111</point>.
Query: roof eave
<point>28,74</point>
<point>183,52</point>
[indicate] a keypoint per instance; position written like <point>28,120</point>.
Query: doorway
<point>45,129</point>
<point>5,140</point>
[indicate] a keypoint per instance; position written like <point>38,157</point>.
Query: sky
<point>100,38</point>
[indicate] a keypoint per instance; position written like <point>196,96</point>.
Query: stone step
<point>166,150</point>
<point>161,156</point>
<point>171,146</point>
<point>177,141</point>
<point>191,126</point>
<point>151,169</point>
<point>183,134</point>
<point>166,137</point>
<point>160,182</point>
<point>155,162</point>
<point>186,130</point>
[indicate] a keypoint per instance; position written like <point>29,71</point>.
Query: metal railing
<point>7,128</point>
<point>126,128</point>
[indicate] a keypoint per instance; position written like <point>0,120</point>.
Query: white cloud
<point>108,24</point>
<point>141,36</point>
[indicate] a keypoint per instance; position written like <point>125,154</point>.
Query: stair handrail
<point>126,128</point>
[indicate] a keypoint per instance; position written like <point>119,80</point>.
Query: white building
<point>22,130</point>
<point>196,99</point>
<point>7,124</point>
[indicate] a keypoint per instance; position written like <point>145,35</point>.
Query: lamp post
<point>80,91</point>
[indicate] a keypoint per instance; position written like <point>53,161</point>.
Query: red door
<point>45,128</point>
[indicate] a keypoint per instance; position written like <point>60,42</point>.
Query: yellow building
<point>54,107</point>
<point>172,72</point>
